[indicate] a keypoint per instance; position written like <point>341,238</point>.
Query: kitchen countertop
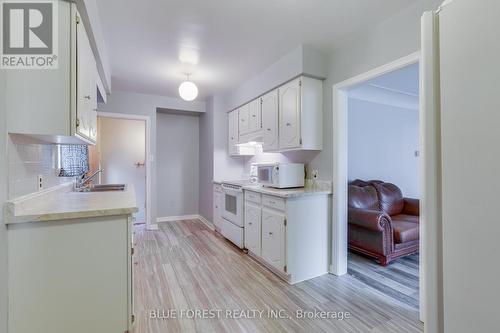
<point>290,192</point>
<point>61,202</point>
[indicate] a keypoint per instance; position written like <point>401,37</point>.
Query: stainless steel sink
<point>103,188</point>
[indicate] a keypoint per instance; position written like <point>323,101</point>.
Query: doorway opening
<point>121,153</point>
<point>376,122</point>
<point>383,184</point>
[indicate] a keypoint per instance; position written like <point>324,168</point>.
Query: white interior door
<point>122,146</point>
<point>469,49</point>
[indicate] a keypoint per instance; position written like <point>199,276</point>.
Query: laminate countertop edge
<point>287,193</point>
<point>61,203</point>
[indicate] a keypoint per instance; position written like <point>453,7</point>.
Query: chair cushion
<point>363,197</point>
<point>405,231</point>
<point>391,198</point>
<point>404,218</point>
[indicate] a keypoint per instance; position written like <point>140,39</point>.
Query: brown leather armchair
<point>382,223</point>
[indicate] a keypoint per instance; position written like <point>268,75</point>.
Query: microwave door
<point>265,175</point>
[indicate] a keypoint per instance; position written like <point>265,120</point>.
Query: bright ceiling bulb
<point>188,90</point>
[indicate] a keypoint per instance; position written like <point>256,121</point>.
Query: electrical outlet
<point>40,182</point>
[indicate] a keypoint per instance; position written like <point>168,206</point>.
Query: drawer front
<point>253,197</point>
<point>217,188</point>
<point>273,202</point>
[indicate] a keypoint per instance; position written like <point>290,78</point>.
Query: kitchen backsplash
<point>26,162</point>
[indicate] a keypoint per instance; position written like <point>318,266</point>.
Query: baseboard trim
<point>209,224</point>
<point>176,218</point>
<point>153,226</point>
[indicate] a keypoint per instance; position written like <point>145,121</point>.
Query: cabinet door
<point>273,238</point>
<point>253,216</point>
<point>217,210</point>
<point>233,132</point>
<point>289,113</point>
<point>270,121</point>
<point>84,77</point>
<point>244,115</point>
<point>93,103</point>
<point>255,115</point>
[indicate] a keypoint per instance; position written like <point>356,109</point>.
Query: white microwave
<point>281,175</point>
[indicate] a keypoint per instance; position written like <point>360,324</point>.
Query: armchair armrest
<point>372,220</point>
<point>411,206</point>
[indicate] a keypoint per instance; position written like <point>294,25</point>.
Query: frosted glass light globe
<point>188,90</point>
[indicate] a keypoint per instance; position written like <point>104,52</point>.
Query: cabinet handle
<point>269,129</point>
<point>87,97</point>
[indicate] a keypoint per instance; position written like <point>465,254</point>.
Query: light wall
<point>3,197</point>
<point>382,141</point>
<point>177,166</point>
<point>147,105</point>
<point>206,159</point>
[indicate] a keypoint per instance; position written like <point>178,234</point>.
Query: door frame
<point>340,174</point>
<point>147,158</point>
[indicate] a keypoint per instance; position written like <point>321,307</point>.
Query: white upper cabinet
<point>270,121</point>
<point>58,104</point>
<point>289,113</point>
<point>301,115</point>
<point>233,132</point>
<point>285,119</point>
<point>87,82</point>
<point>255,115</point>
<point>244,119</point>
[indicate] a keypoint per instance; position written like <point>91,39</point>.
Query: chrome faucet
<point>82,181</point>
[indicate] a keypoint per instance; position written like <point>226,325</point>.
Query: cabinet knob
<point>288,124</point>
<point>250,223</point>
<point>270,233</point>
<point>86,96</point>
<point>269,129</point>
<point>243,120</point>
<point>254,116</point>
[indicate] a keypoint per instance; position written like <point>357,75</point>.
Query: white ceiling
<point>152,43</point>
<point>398,88</point>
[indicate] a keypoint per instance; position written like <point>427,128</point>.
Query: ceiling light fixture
<point>188,90</point>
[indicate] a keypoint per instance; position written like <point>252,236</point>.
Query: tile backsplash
<point>29,160</point>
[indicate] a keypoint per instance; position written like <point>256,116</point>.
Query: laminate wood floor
<point>185,266</point>
<point>398,281</point>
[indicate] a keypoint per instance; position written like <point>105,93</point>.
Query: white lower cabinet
<point>217,212</point>
<point>290,236</point>
<point>71,275</point>
<point>273,238</point>
<point>253,219</point>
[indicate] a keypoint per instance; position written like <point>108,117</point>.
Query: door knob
<point>139,164</point>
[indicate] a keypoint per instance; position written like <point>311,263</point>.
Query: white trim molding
<point>209,224</point>
<point>340,169</point>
